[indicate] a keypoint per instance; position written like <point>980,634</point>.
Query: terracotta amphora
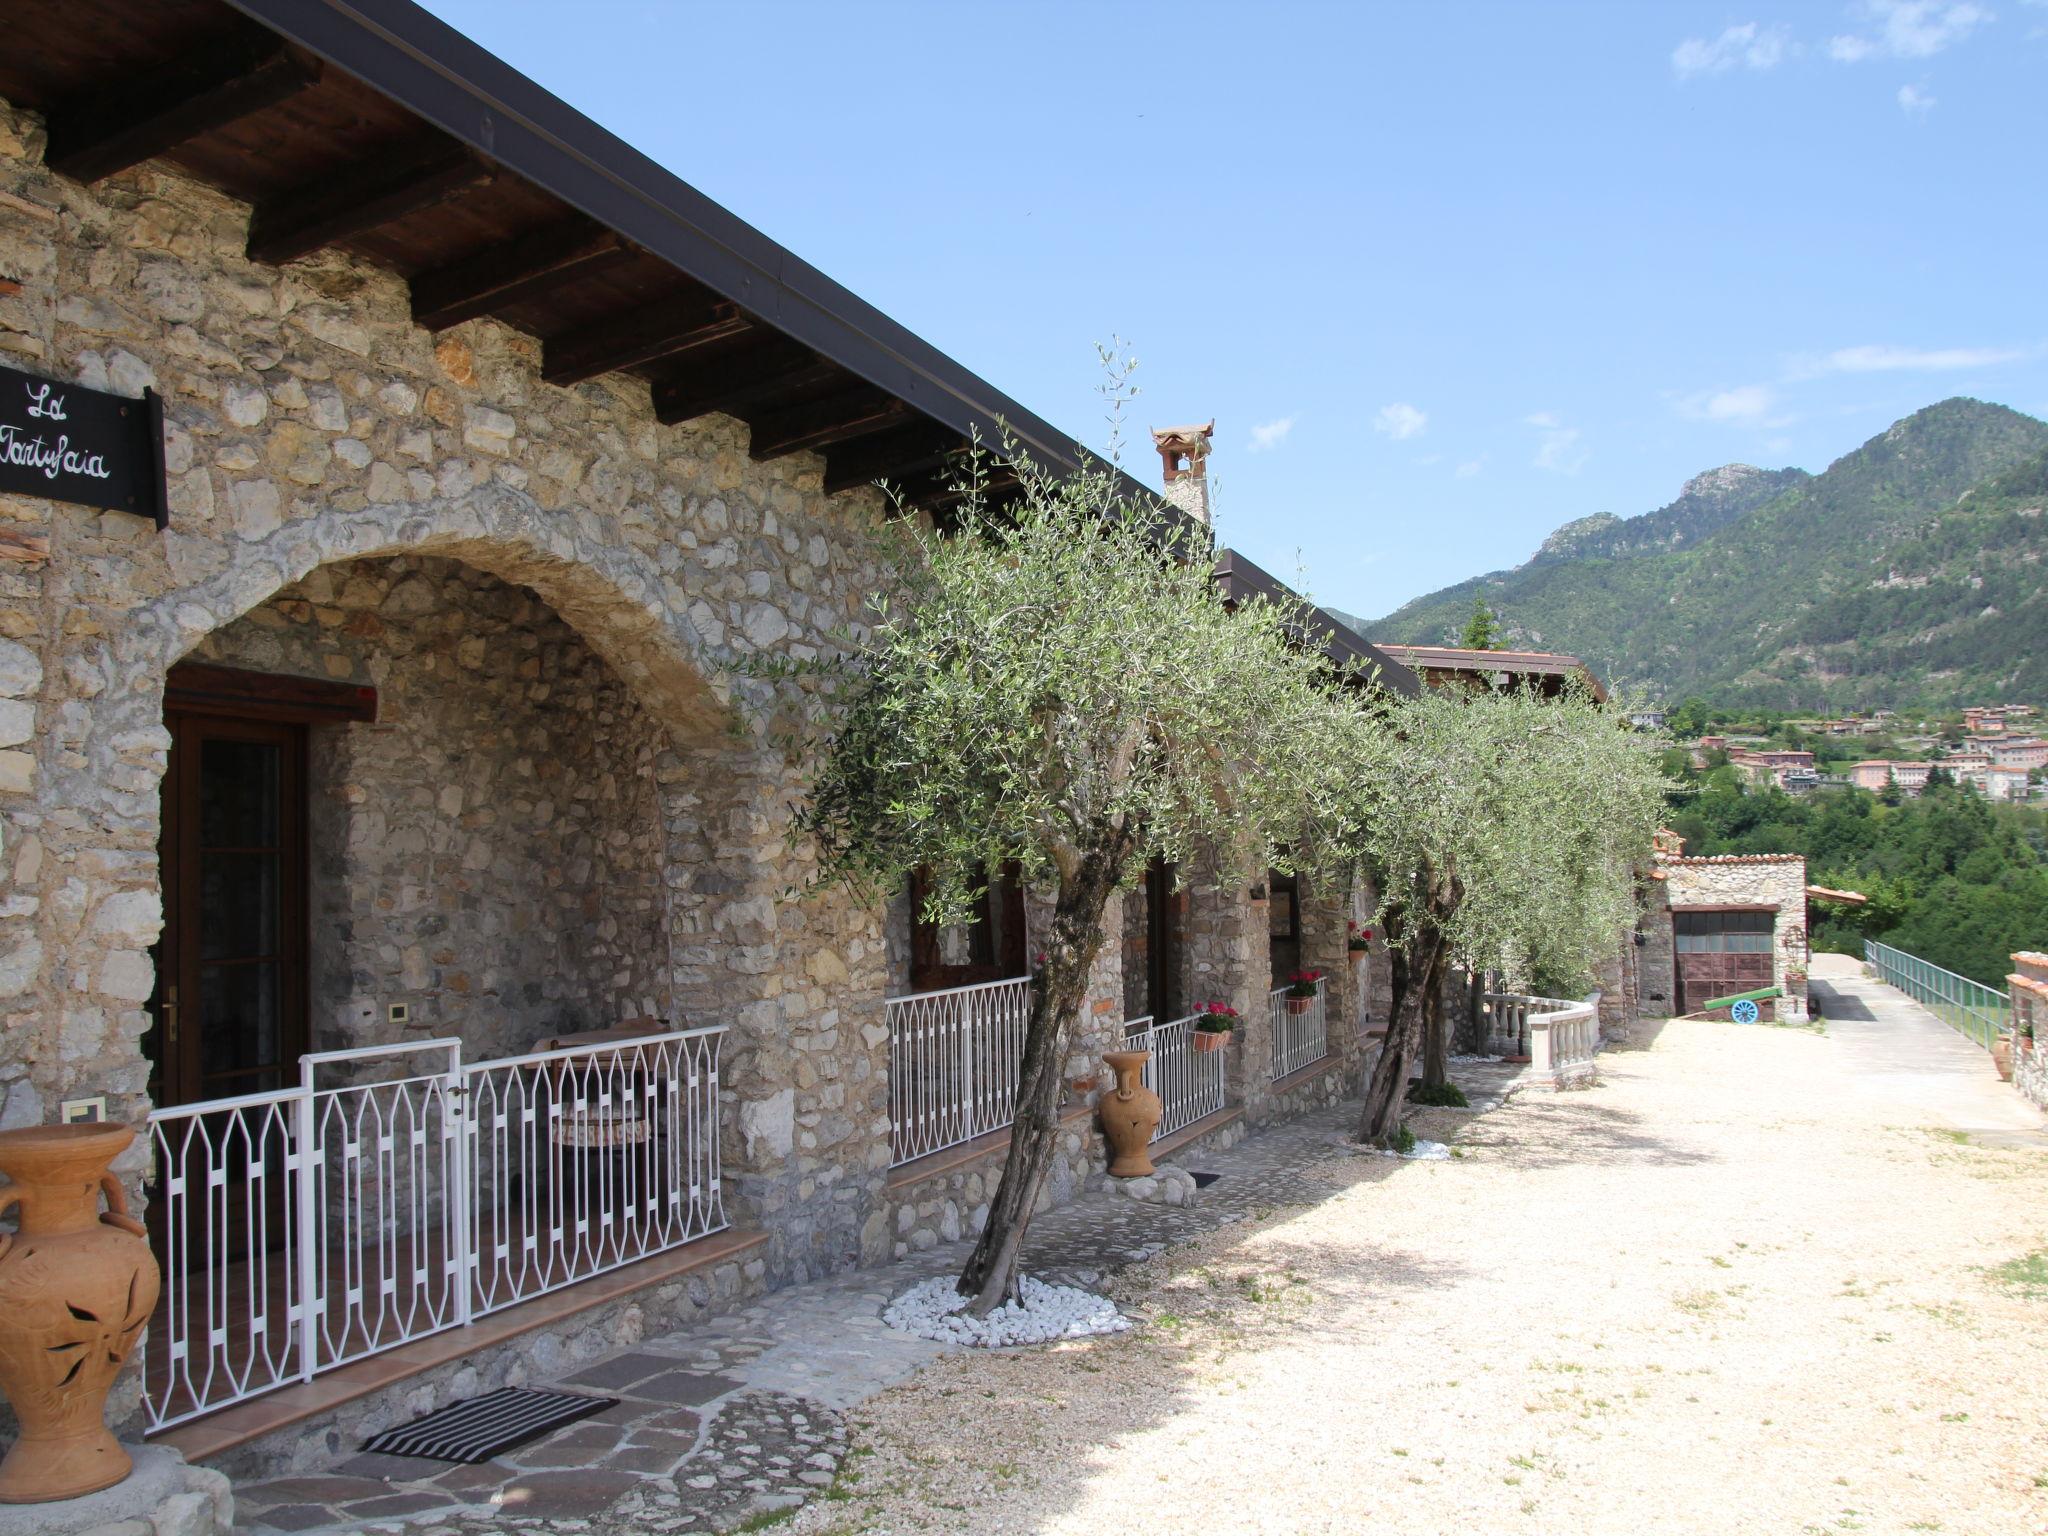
<point>76,1287</point>
<point>1130,1114</point>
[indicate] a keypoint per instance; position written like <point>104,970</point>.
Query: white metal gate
<point>397,1191</point>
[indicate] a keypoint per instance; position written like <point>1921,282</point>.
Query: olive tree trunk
<point>1421,956</point>
<point>1389,1082</point>
<point>1436,1036</point>
<point>992,1272</point>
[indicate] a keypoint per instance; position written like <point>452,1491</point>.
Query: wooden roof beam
<point>500,276</point>
<point>360,197</point>
<point>922,445</point>
<point>144,114</point>
<point>732,380</point>
<point>821,423</point>
<point>642,335</point>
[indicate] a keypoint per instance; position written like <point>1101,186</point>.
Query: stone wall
<point>2028,985</point>
<point>310,423</point>
<point>1770,879</point>
<point>488,853</point>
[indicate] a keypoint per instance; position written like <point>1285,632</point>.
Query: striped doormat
<point>487,1426</point>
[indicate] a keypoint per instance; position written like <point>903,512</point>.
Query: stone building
<point>489,451</point>
<point>1721,925</point>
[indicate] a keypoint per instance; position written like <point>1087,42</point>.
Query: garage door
<point>1719,953</point>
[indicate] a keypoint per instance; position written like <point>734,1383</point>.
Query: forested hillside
<point>1907,572</point>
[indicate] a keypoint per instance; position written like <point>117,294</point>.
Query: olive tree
<point>1057,683</point>
<point>1502,831</point>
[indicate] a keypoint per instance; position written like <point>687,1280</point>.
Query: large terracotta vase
<point>1130,1114</point>
<point>76,1286</point>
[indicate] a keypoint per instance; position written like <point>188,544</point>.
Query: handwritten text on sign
<point>81,445</point>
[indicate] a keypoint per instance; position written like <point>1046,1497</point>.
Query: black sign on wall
<point>71,443</point>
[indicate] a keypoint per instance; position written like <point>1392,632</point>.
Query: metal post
<point>455,1131</point>
<point>305,1165</point>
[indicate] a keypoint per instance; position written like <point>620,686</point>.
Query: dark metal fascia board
<point>450,81</point>
<point>1240,578</point>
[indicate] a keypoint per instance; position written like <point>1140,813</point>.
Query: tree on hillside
<point>1482,630</point>
<point>1502,831</point>
<point>1058,684</point>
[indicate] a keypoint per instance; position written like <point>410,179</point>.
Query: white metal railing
<point>1559,1036</point>
<point>1969,1007</point>
<point>1298,1038</point>
<point>1189,1082</point>
<point>954,1058</point>
<point>588,1158</point>
<point>310,1226</point>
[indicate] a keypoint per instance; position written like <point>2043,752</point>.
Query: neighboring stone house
<point>1548,672</point>
<point>490,450</point>
<point>1722,925</point>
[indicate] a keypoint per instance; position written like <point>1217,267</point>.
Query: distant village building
<point>2022,752</point>
<point>1876,773</point>
<point>1777,767</point>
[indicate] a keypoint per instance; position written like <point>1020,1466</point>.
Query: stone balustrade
<point>1559,1037</point>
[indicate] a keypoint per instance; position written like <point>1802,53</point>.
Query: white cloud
<point>1270,434</point>
<point>1400,421</point>
<point>1467,470</point>
<point>1560,451</point>
<point>1909,29</point>
<point>1875,359</point>
<point>1915,102</point>
<point>1749,45</point>
<point>1746,403</point>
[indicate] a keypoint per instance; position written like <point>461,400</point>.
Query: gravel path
<point>1723,1291</point>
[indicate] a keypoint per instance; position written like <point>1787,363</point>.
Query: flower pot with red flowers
<point>1356,939</point>
<point>1215,1024</point>
<point>1301,990</point>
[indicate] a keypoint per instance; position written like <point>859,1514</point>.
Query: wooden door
<point>230,1009</point>
<point>990,948</point>
<point>1719,952</point>
<point>1162,944</point>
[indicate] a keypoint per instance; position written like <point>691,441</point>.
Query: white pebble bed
<point>1421,1152</point>
<point>933,1309</point>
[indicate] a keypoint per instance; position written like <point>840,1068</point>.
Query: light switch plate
<point>82,1111</point>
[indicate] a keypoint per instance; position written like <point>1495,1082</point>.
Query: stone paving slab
<point>742,1415</point>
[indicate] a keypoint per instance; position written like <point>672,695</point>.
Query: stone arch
<point>711,776</point>
<point>581,564</point>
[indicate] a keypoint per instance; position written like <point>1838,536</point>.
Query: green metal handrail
<point>1969,1007</point>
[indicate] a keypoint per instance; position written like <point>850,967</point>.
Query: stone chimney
<point>1184,451</point>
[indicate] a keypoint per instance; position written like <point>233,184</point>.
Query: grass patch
<point>1404,1140</point>
<point>2027,1275</point>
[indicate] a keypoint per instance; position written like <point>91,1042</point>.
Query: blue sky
<point>1446,275</point>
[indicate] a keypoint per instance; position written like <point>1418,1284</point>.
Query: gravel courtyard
<point>1743,1285</point>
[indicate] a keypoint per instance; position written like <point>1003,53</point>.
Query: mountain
<point>1709,501</point>
<point>1961,611</point>
<point>1854,586</point>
